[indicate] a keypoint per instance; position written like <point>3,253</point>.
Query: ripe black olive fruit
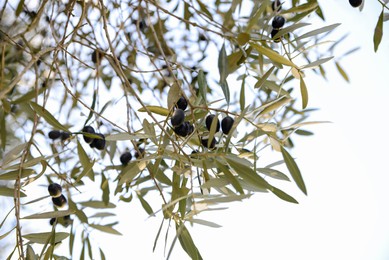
<point>278,22</point>
<point>190,128</point>
<point>125,158</point>
<point>227,123</point>
<point>54,134</point>
<point>178,117</point>
<point>90,130</point>
<point>208,123</point>
<point>273,33</point>
<point>184,130</point>
<point>99,144</point>
<point>355,3</point>
<point>181,130</point>
<point>55,190</point>
<point>142,152</point>
<point>202,37</point>
<point>97,56</point>
<point>182,103</point>
<point>65,136</point>
<point>276,5</point>
<point>59,201</point>
<point>52,220</point>
<point>204,142</point>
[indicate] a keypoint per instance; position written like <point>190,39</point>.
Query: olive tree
<point>168,103</point>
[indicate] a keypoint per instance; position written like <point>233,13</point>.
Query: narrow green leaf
<point>290,28</point>
<point>246,173</point>
<point>97,204</point>
<point>131,170</point>
<point>125,137</point>
<point>41,111</point>
<point>156,110</point>
<point>103,215</point>
<point>146,206</point>
<point>28,96</point>
<point>204,9</point>
<point>92,107</point>
<point>226,91</point>
<point>316,63</point>
<point>105,188</point>
<point>79,213</point>
<point>274,56</point>
<point>303,132</point>
<point>215,183</point>
<point>273,105</point>
<point>318,31</point>
<point>255,17</point>
<point>243,38</point>
<point>263,79</point>
<point>225,199</point>
<point>294,170</point>
<point>6,233</point>
<point>106,229</point>
<point>303,8</point>
<point>13,175</point>
<point>85,162</point>
<point>273,174</point>
<point>30,254</point>
<point>204,222</point>
<point>187,243</point>
<point>203,86</point>
<point>51,214</point>
<point>222,64</point>
<point>149,130</point>
<point>9,192</point>
<point>282,195</point>
<point>304,92</point>
<point>173,95</point>
<point>229,176</point>
<point>342,72</point>
<point>3,131</point>
<point>378,31</point>
<point>157,236</point>
<point>242,98</point>
<point>223,71</point>
<point>5,218</point>
<point>42,238</point>
<point>82,255</point>
<point>12,155</point>
<point>233,61</point>
<point>102,256</point>
<point>19,8</point>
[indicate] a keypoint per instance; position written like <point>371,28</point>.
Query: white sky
<point>345,215</point>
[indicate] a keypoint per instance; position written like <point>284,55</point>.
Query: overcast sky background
<point>345,168</point>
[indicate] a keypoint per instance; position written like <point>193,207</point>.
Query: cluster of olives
<point>126,157</point>
<point>227,123</point>
<point>277,23</point>
<point>226,126</point>
<point>65,220</point>
<point>355,3</point>
<point>59,200</point>
<point>180,126</point>
<point>55,191</point>
<point>55,134</point>
<point>98,143</point>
